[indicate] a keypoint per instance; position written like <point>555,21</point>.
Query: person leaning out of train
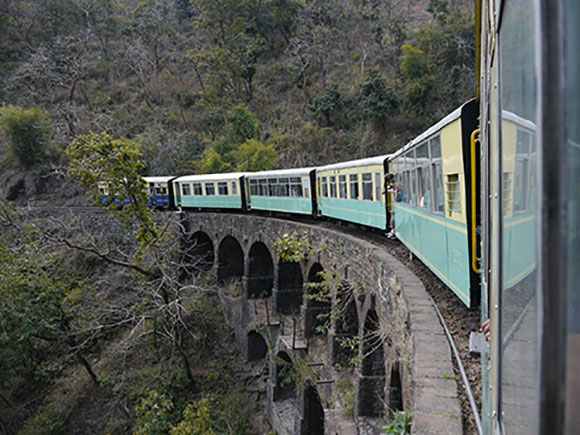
<point>396,193</point>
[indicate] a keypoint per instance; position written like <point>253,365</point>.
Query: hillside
<point>296,82</point>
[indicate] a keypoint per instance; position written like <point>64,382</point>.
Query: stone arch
<point>199,253</point>
<point>285,387</point>
<point>317,310</point>
<point>260,272</point>
<point>313,412</point>
<point>230,260</point>
<point>395,389</point>
<point>372,381</point>
<point>346,326</point>
<point>257,347</point>
<point>289,293</point>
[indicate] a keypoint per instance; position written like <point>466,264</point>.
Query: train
<point>488,198</point>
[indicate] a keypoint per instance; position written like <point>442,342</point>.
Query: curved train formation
<point>488,198</point>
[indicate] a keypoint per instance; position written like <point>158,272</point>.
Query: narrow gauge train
<point>510,195</point>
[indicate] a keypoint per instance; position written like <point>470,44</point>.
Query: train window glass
<point>263,187</point>
<point>254,187</point>
<point>378,187</point>
<point>452,194</point>
<point>438,196</point>
<point>272,187</point>
<point>197,189</point>
<point>186,189</point>
<point>234,188</point>
<point>306,188</point>
<point>342,186</point>
<point>572,71</point>
<point>367,186</point>
<point>324,187</point>
<point>223,188</point>
<point>353,181</point>
<point>413,187</point>
<point>517,314</point>
<point>435,145</point>
<point>522,171</point>
<point>295,187</point>
<point>283,187</point>
<point>209,189</point>
<point>332,179</point>
<point>424,187</point>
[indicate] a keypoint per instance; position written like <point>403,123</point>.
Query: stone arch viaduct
<point>348,334</point>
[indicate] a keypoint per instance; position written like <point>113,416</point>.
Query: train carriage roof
<point>158,179</point>
<point>281,172</point>
<point>377,160</point>
<point>430,131</point>
<point>211,177</point>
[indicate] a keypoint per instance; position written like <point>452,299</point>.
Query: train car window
<point>378,187</point>
<point>413,187</point>
<point>437,175</point>
<point>518,316</point>
<point>423,177</point>
<point>234,188</point>
<point>306,188</point>
<point>283,187</point>
<point>453,197</point>
<point>332,180</point>
<point>254,187</point>
<point>342,186</point>
<point>186,189</point>
<point>197,189</point>
<point>273,187</point>
<point>353,180</point>
<point>367,186</point>
<point>209,189</point>
<point>324,187</point>
<point>295,187</point>
<point>522,171</point>
<point>263,187</point>
<point>223,188</point>
<point>151,189</point>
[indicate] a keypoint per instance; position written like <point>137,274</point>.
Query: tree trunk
<point>88,367</point>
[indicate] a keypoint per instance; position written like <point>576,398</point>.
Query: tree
<point>28,133</point>
<point>379,100</point>
<point>329,107</point>
<point>255,156</point>
<point>212,163</point>
<point>242,125</point>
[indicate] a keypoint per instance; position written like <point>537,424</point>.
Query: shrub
<point>28,133</point>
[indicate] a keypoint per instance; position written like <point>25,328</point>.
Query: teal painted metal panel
<point>370,213</point>
<point>210,201</point>
<point>519,248</point>
<point>283,204</point>
<point>440,243</point>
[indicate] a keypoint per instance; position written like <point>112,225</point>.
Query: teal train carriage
<point>215,191</point>
<point>284,190</point>
<point>436,212</point>
<point>354,191</point>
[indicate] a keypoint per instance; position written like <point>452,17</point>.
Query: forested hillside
<point>217,85</point>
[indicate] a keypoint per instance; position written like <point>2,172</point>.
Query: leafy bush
<point>28,133</point>
<point>400,424</point>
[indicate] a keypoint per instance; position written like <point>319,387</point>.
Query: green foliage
<point>242,125</point>
<point>152,414</point>
<point>329,108</point>
<point>255,156</point>
<point>224,414</point>
<point>400,424</point>
<point>379,100</point>
<point>212,163</point>
<point>116,164</point>
<point>292,247</point>
<point>413,63</point>
<point>28,133</point>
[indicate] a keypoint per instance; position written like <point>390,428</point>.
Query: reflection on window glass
<point>378,186</point>
<point>367,186</point>
<point>573,113</point>
<point>518,307</point>
<point>234,188</point>
<point>353,179</point>
<point>209,189</point>
<point>342,186</point>
<point>333,186</point>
